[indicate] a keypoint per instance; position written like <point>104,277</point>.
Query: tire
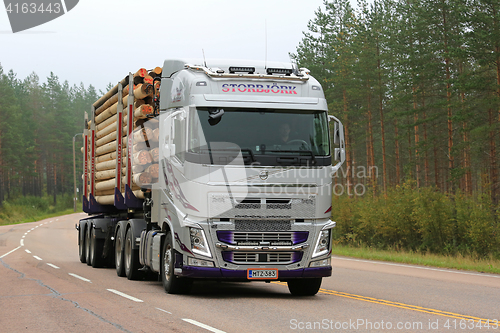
<point>81,248</point>
<point>119,245</point>
<point>171,283</point>
<point>96,250</point>
<point>131,257</point>
<point>87,244</point>
<point>304,287</point>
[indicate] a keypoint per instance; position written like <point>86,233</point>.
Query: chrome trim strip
<point>228,247</point>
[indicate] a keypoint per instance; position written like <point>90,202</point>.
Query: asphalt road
<point>45,288</point>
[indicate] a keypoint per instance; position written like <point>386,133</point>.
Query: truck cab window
<point>264,134</point>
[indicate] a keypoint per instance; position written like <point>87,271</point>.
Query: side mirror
<point>338,139</point>
<point>337,129</point>
<point>339,154</point>
<point>336,133</point>
<point>168,145</point>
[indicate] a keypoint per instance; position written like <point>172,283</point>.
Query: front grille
<point>225,206</point>
<point>248,206</point>
<point>267,257</point>
<point>262,225</point>
<point>256,238</point>
<point>278,206</point>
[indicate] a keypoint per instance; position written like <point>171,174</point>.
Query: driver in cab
<point>284,133</point>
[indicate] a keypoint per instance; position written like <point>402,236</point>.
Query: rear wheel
<point>131,257</point>
<point>81,247</point>
<point>171,283</point>
<point>304,287</point>
<point>87,244</point>
<point>96,250</point>
<point>119,242</point>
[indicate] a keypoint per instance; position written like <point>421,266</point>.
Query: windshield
<point>299,135</point>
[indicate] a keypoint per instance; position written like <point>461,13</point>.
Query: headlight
<point>199,243</point>
<point>323,243</point>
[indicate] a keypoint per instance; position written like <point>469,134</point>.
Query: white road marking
<point>22,242</point>
<point>79,277</point>
<point>23,236</point>
<point>419,267</point>
<point>37,258</point>
<point>209,328</point>
<point>125,295</point>
<point>28,231</point>
<point>163,310</point>
<point>17,248</point>
<point>32,229</point>
<point>27,251</point>
<point>53,266</point>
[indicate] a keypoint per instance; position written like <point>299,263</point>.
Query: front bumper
<point>222,273</point>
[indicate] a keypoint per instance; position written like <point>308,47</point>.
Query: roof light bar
<point>286,71</point>
<point>249,70</point>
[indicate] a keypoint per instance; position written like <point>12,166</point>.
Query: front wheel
<point>304,287</point>
<point>171,283</point>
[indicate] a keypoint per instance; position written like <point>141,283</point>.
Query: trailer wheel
<point>81,248</point>
<point>119,243</point>
<point>131,257</point>
<point>87,243</point>
<point>96,250</point>
<point>304,287</point>
<point>171,283</point>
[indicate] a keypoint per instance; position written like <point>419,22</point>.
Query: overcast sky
<point>100,41</point>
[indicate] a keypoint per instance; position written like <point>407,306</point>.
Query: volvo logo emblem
<point>263,175</point>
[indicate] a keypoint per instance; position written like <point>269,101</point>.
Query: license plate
<point>262,274</point>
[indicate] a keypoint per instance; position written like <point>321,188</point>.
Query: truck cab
<point>247,152</point>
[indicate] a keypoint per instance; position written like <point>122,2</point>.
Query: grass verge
<point>38,217</point>
<point>489,265</point>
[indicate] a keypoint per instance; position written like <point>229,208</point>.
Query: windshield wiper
<point>313,158</point>
<point>246,150</point>
<point>250,152</point>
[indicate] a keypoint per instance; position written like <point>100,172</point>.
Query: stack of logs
<point>145,136</point>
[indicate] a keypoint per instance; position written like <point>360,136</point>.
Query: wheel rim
<point>167,258</point>
<point>118,250</point>
<point>128,253</point>
<point>82,245</point>
<point>87,243</point>
<point>92,244</point>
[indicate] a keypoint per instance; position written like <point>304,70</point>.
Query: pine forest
<point>417,87</point>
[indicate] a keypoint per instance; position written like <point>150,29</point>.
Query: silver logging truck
<point>220,171</point>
